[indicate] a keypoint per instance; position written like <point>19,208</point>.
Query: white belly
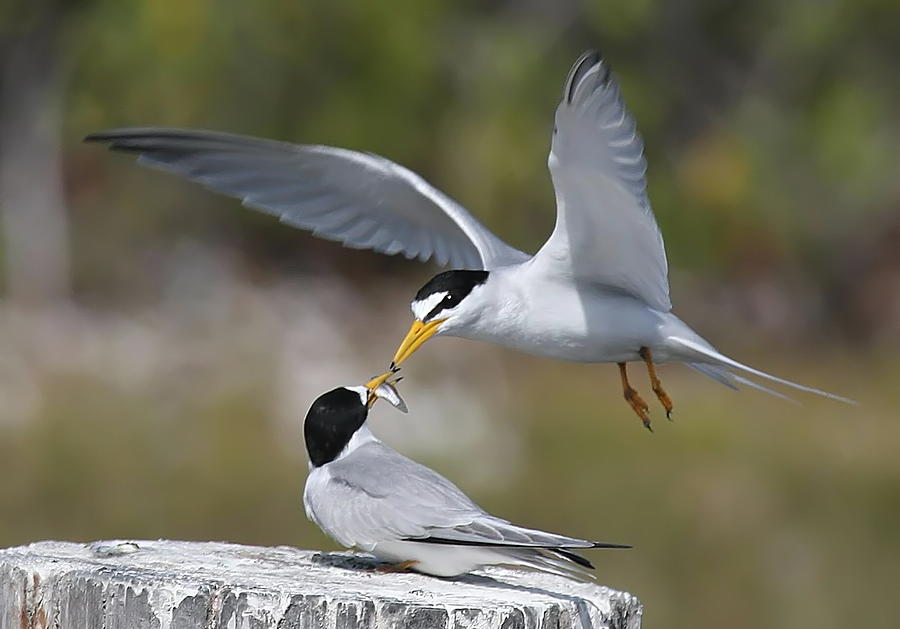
<point>557,320</point>
<point>440,560</point>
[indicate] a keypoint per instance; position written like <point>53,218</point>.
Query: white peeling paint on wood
<point>210,585</point>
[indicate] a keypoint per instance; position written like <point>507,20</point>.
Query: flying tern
<point>365,495</point>
<point>596,292</point>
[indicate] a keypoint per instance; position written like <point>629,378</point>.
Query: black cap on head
<point>455,285</point>
<point>331,422</point>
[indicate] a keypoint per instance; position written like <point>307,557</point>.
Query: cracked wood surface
<point>177,585</point>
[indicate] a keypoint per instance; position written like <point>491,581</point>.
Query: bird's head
<point>448,302</point>
<point>335,417</point>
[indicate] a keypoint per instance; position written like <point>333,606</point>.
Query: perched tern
<point>596,292</point>
<point>365,495</point>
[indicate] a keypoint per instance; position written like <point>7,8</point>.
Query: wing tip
<point>121,139</point>
<point>610,545</point>
<point>588,60</point>
<point>138,134</point>
<point>119,133</point>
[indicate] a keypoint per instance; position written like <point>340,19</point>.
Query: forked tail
<point>717,366</point>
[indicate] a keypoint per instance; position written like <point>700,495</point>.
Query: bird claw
<point>389,568</point>
<point>656,385</point>
<point>663,398</point>
<point>639,406</point>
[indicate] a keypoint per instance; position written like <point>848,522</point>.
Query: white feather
<point>605,229</point>
<point>421,308</point>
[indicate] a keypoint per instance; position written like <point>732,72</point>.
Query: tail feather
<point>765,389</point>
<point>584,562</point>
<point>540,559</point>
<point>714,365</point>
<point>718,374</point>
<point>731,380</point>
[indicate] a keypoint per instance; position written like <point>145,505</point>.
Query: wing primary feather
<point>605,230</point>
<point>289,181</point>
<point>500,544</point>
<point>585,62</point>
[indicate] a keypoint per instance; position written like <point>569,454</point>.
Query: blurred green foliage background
<point>159,346</point>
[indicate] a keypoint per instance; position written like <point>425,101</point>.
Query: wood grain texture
<point>209,585</point>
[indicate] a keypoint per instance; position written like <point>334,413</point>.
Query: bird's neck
<point>360,438</point>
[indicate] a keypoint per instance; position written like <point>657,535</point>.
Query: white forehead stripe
<point>421,308</point>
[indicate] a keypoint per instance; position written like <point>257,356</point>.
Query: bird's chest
<point>554,324</point>
<point>563,322</point>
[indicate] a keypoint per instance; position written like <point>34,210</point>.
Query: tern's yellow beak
<point>418,334</point>
<point>385,388</point>
<point>374,383</point>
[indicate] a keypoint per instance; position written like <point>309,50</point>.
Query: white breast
<point>440,560</point>
<point>553,317</point>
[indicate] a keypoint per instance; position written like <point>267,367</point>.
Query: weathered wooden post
<point>177,585</point>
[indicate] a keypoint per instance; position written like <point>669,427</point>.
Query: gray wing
<point>376,494</point>
<point>605,229</point>
<point>488,530</point>
<point>361,200</point>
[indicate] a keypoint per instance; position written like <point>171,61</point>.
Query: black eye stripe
<point>457,284</point>
<point>452,282</point>
<point>450,300</point>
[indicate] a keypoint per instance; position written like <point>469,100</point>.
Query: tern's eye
<point>450,300</point>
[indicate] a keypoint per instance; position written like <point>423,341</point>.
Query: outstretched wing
<point>361,200</point>
<point>605,230</point>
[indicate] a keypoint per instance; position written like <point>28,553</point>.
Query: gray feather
<point>361,200</point>
<point>605,233</point>
<point>376,494</point>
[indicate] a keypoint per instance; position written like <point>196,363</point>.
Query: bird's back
<point>375,494</point>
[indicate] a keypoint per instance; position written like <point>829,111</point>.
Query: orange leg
<point>402,566</point>
<point>638,405</point>
<point>664,398</point>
